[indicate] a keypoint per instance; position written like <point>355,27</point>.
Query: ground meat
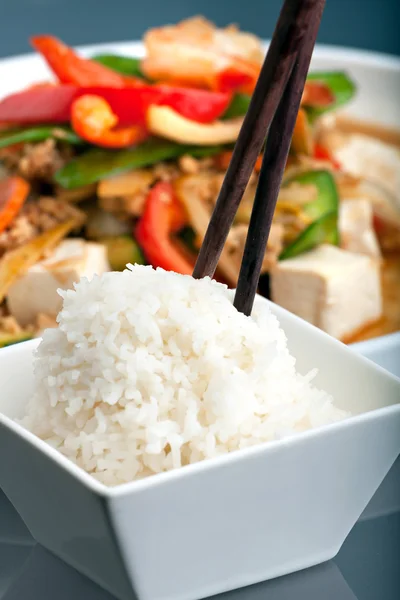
<point>35,218</point>
<point>166,171</point>
<point>10,158</point>
<point>41,161</point>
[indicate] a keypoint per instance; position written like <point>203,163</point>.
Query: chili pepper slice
<point>93,120</point>
<point>13,193</point>
<point>321,153</point>
<point>163,215</point>
<point>71,68</point>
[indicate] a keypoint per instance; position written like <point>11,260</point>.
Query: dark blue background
<point>371,24</point>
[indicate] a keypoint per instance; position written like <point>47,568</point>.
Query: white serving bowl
<point>220,524</point>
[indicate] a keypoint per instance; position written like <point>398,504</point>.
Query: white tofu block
<point>335,290</point>
<point>356,227</point>
<point>35,292</point>
<point>364,156</point>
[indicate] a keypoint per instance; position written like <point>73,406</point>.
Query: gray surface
<point>366,568</point>
<point>371,24</point>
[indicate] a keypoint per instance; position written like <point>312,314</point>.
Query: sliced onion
<point>17,262</point>
<point>167,123</point>
<point>199,216</point>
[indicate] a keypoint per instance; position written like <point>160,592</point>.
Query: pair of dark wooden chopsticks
<point>273,111</point>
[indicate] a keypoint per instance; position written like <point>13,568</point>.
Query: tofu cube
<point>35,292</point>
<point>372,159</point>
<point>335,290</point>
<point>356,229</point>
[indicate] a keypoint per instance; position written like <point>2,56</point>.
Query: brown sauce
<point>390,321</point>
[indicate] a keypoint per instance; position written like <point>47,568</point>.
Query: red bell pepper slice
<point>161,217</point>
<point>52,104</point>
<point>13,193</point>
<point>93,120</point>
<point>321,153</point>
<point>317,94</point>
<point>73,69</point>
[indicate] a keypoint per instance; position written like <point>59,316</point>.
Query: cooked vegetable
<point>325,203</point>
<point>42,104</point>
<point>77,194</point>
<point>38,134</point>
<point>9,339</point>
<point>121,251</point>
<point>323,230</point>
<point>322,92</point>
<point>238,107</point>
<point>302,140</point>
<point>327,199</point>
<point>98,164</point>
<point>52,104</point>
<point>163,121</point>
<point>71,68</point>
<point>187,191</point>
<point>322,153</point>
<point>126,184</point>
<point>317,94</point>
<point>126,65</point>
<point>101,224</point>
<point>13,193</point>
<point>16,262</point>
<point>94,121</point>
<point>163,215</point>
<point>198,54</point>
<point>341,86</point>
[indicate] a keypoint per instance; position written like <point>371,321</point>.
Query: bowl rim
<point>159,479</point>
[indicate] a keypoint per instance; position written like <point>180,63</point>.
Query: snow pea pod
<point>39,133</point>
<point>96,164</point>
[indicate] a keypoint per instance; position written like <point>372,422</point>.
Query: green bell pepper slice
<point>126,65</point>
<point>39,133</point>
<point>341,86</point>
<point>97,164</point>
<point>327,194</point>
<point>322,231</point>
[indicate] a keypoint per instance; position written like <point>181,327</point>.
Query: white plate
<point>377,77</point>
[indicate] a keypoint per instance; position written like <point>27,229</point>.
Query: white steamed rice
<point>150,370</point>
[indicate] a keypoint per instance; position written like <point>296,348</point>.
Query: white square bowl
<point>221,524</point>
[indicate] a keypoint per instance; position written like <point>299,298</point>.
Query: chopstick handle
<point>272,169</point>
<point>292,24</point>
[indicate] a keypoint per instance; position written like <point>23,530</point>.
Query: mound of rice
<point>150,370</point>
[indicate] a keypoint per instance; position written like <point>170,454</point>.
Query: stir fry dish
<point>120,160</point>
